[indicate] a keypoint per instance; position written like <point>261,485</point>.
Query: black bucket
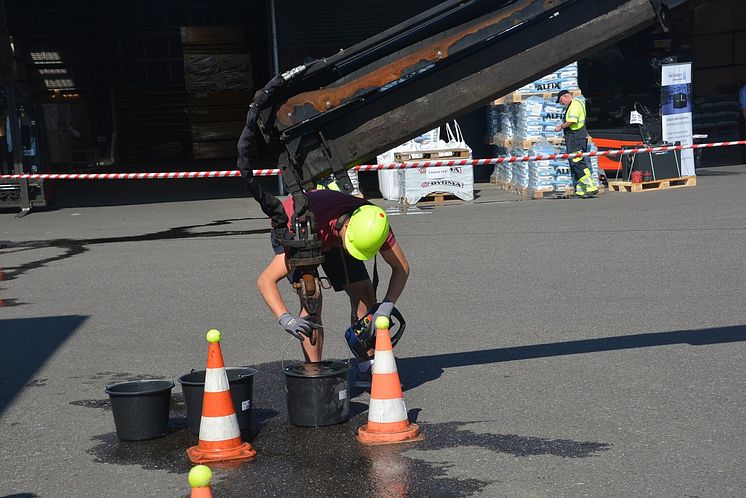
<point>140,408</point>
<point>241,382</point>
<point>317,393</point>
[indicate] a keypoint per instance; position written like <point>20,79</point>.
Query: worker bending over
<point>351,230</point>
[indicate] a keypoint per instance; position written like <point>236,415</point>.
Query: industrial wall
<point>145,81</point>
<point>318,29</point>
<point>116,70</point>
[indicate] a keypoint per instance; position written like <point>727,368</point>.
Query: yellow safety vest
<point>575,114</point>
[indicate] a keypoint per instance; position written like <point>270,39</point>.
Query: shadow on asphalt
<point>419,370</point>
<point>27,345</point>
<point>74,247</point>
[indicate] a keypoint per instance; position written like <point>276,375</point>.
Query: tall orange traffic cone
<point>219,436</point>
<point>200,478</point>
<point>387,413</point>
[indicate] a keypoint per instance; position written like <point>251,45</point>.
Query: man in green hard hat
<point>352,230</point>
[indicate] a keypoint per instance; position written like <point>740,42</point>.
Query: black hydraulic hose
<point>270,205</point>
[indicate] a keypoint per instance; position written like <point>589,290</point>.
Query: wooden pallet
<point>438,199</point>
<point>531,193</point>
<point>517,97</point>
<point>666,183</point>
<point>500,184</point>
<point>422,155</point>
<point>538,194</point>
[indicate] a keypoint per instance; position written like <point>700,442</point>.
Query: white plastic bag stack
<point>519,169</point>
<point>411,185</point>
<point>565,78</point>
<point>503,174</point>
<point>593,160</point>
<point>537,118</point>
<point>541,173</point>
<point>456,180</point>
<point>562,177</point>
<point>530,124</point>
<point>389,179</point>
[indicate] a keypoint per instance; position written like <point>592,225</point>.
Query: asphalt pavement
<point>554,348</point>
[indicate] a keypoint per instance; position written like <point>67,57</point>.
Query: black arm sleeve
<point>270,205</point>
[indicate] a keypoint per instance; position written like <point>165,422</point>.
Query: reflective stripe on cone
<point>219,434</point>
<point>388,421</point>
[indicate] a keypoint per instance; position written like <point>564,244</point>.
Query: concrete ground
<point>555,348</point>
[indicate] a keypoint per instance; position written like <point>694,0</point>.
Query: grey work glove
<point>384,309</point>
<point>296,326</point>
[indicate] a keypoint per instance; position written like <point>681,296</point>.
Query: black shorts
<point>335,262</point>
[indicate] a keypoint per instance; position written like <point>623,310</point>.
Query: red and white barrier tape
<point>363,167</point>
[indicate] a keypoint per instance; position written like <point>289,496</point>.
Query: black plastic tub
<point>317,393</point>
<point>241,382</point>
<point>140,408</point>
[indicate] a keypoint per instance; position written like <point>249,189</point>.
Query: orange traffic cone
<point>219,436</point>
<point>387,413</point>
<point>200,478</point>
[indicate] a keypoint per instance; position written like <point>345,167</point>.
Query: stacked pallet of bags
<point>530,112</point>
<point>412,184</point>
<point>593,161</point>
<point>565,78</point>
<point>541,174</point>
<point>502,120</point>
<point>503,173</point>
<point>531,176</point>
<point>523,123</point>
<point>537,118</point>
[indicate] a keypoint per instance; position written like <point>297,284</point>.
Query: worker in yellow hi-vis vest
<point>576,140</point>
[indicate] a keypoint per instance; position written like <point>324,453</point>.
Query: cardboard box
<point>206,73</point>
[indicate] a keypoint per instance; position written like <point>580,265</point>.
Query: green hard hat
<point>366,231</point>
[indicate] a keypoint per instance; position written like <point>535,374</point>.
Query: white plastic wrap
<point>411,185</point>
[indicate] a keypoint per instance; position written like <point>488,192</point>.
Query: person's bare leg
<point>362,297</point>
<point>312,352</point>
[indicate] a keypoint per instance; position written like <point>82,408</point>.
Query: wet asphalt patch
<point>325,461</point>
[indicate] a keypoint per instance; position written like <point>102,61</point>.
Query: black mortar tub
<point>317,393</point>
<point>241,382</point>
<point>140,408</point>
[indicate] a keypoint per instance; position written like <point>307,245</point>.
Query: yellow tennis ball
<point>200,476</point>
<point>213,335</point>
<point>382,323</point>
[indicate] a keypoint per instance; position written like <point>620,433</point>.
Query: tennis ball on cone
<point>200,476</point>
<point>382,323</point>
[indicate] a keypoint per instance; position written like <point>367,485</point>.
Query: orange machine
<point>613,163</point>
